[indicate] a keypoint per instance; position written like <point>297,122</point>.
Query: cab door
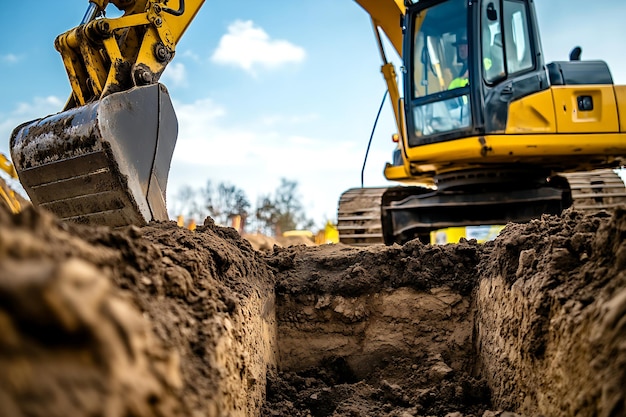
<point>512,61</point>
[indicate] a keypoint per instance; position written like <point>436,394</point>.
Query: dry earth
<point>163,321</point>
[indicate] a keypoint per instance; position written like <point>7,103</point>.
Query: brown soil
<point>163,321</point>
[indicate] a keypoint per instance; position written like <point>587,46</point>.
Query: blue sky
<point>265,90</point>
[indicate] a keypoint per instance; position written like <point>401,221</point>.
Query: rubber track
<point>601,189</point>
<point>358,217</point>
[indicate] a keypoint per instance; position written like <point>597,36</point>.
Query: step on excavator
<point>487,132</point>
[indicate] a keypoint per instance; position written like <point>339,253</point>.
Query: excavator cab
<point>105,158</point>
<point>467,63</point>
<point>441,73</point>
<point>490,128</point>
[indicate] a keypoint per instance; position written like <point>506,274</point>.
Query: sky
<point>274,89</point>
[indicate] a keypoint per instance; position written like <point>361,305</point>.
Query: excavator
<point>487,132</point>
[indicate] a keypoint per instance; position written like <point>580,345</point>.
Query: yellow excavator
<point>490,131</point>
<point>484,125</point>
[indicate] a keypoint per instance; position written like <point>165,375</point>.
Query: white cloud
<point>246,46</point>
<point>201,138</point>
<point>204,138</point>
<point>10,58</point>
<point>175,74</point>
<point>277,120</point>
<point>24,112</point>
<point>191,55</point>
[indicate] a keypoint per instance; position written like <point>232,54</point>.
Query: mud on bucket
<point>105,163</point>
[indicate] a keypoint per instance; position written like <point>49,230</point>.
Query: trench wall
<point>432,327</point>
<point>551,318</point>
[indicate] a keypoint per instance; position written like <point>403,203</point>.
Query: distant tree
<point>222,203</point>
<point>274,213</point>
<point>187,204</point>
<point>283,211</point>
<point>266,215</point>
<point>226,202</point>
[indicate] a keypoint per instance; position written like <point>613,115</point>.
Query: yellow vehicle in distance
<point>482,234</point>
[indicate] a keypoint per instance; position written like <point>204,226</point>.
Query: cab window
<point>505,37</point>
<point>492,47</point>
<point>440,48</point>
<point>518,51</point>
<point>441,69</point>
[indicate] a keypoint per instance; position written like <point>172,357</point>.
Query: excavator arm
<point>387,15</point>
<point>104,56</point>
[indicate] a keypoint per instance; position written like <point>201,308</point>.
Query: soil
<point>163,321</point>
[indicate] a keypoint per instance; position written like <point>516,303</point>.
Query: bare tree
<point>274,213</point>
<point>283,211</point>
<point>226,202</point>
<point>187,204</point>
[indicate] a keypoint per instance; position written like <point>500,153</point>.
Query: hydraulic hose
<point>91,13</point>
<point>179,12</point>
<point>372,136</point>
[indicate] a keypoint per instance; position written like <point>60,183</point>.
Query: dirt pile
<point>163,321</point>
<point>551,316</point>
<point>137,322</point>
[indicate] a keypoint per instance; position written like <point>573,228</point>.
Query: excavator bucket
<point>104,163</point>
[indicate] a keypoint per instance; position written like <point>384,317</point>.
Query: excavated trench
<point>162,321</point>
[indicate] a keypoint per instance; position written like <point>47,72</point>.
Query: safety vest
<point>458,83</point>
<point>462,82</point>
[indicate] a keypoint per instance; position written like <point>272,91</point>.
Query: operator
<point>458,107</point>
<point>462,52</point>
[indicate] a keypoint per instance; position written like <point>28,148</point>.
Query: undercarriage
<point>398,214</point>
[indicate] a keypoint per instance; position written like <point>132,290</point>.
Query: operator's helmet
<point>461,39</point>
